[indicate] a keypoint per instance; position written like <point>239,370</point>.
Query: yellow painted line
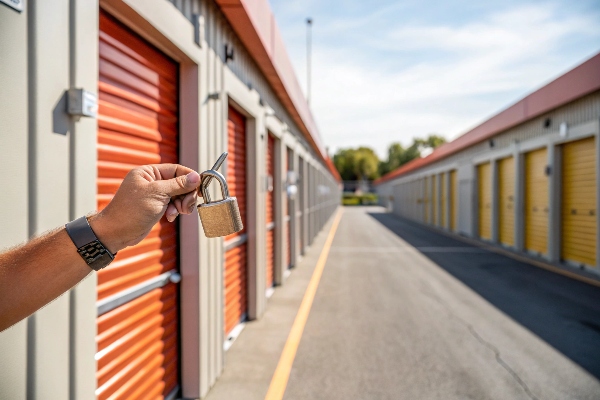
<point>284,367</point>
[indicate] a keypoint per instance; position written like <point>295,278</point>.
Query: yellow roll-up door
<point>444,195</point>
<point>434,199</point>
<point>579,183</point>
<point>536,202</point>
<point>506,205</point>
<point>484,179</point>
<point>453,200</point>
<point>426,192</point>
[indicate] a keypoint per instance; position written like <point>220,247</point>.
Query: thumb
<point>179,185</point>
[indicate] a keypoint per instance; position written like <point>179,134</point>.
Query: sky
<point>388,71</point>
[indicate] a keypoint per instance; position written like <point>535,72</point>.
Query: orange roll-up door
<point>137,342</point>
<point>236,303</point>
<point>270,211</point>
<point>301,170</point>
<point>288,232</point>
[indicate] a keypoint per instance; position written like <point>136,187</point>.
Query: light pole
<point>308,56</point>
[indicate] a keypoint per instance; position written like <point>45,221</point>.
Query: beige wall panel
<point>83,74</point>
<point>50,186</point>
<point>13,160</point>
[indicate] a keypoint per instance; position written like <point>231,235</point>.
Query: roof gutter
<point>254,24</point>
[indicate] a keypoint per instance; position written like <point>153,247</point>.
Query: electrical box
<point>82,103</point>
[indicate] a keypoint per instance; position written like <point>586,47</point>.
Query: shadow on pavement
<point>560,310</point>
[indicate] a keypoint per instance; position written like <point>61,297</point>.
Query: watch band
<point>88,246</point>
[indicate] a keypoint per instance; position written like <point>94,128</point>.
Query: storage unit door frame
<point>506,201</point>
<point>235,273</point>
<point>138,123</point>
<point>579,184</point>
<point>536,202</point>
<point>484,200</point>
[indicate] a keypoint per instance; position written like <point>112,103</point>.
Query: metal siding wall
<point>579,214</point>
<point>506,198</point>
<point>536,202</point>
<point>14,161</point>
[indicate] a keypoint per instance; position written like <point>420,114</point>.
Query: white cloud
<point>398,82</point>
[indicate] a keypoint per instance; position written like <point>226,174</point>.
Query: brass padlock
<point>222,217</point>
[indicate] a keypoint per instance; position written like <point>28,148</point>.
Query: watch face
<point>91,251</point>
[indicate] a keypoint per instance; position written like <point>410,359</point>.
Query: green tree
<point>357,164</point>
<point>398,155</point>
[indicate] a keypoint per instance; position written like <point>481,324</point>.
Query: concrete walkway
<point>403,312</point>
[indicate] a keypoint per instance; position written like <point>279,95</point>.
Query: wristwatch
<point>88,246</point>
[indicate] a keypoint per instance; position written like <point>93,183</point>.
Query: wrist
<point>105,232</point>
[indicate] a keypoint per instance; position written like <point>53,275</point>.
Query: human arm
<point>34,274</point>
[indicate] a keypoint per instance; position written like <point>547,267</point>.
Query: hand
<point>147,192</point>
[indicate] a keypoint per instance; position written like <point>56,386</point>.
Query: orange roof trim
<point>580,81</point>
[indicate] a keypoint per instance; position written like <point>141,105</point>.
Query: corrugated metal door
<point>444,195</point>
<point>506,205</point>
<point>235,274</point>
<point>426,191</point>
<point>453,200</point>
<point>484,179</point>
<point>288,232</point>
<point>536,201</point>
<point>137,342</point>
<point>301,170</point>
<point>579,183</point>
<point>270,211</point>
<point>434,199</point>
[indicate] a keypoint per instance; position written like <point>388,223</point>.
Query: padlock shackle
<point>206,179</point>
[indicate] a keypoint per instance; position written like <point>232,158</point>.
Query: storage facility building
<point>525,179</point>
<point>173,82</point>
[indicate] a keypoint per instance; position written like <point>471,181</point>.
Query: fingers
<point>181,205</point>
<point>179,185</point>
<point>171,212</point>
<point>189,202</point>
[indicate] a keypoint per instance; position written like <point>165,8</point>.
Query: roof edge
<point>574,84</point>
<point>255,26</point>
